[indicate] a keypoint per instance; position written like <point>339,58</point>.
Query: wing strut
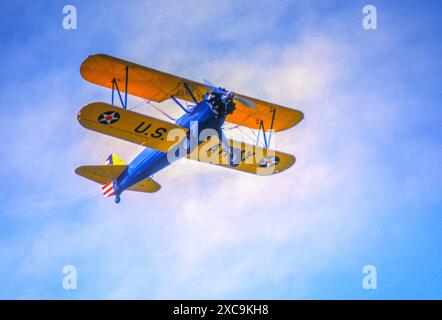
<point>186,86</point>
<point>179,104</point>
<point>261,127</point>
<point>115,87</point>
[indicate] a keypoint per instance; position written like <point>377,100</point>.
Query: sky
<point>365,190</point>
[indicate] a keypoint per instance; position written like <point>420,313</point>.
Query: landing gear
<point>117,199</point>
<point>234,157</point>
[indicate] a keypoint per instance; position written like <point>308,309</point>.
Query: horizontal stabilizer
<point>147,185</point>
<point>100,174</point>
<point>106,174</point>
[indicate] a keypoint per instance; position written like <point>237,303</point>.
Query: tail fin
<point>113,159</point>
<point>108,189</point>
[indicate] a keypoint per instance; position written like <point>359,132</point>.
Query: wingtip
<point>85,64</point>
<point>77,170</point>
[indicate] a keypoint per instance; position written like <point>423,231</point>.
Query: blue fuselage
<point>150,161</point>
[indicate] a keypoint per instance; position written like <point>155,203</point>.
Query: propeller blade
<point>209,85</point>
<point>246,102</point>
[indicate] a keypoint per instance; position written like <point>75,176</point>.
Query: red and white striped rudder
<point>108,189</point>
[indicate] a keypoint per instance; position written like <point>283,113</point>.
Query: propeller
<point>244,101</point>
<point>234,158</point>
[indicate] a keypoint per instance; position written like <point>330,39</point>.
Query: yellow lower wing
<point>104,174</point>
<point>128,125</point>
<point>246,157</point>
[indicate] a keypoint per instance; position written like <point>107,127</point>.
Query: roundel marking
<point>109,117</point>
<point>268,162</point>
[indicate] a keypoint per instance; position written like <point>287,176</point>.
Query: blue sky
<point>365,189</point>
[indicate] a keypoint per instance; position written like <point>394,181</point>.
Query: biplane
<point>198,134</point>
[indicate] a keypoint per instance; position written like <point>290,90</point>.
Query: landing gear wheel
<point>117,199</point>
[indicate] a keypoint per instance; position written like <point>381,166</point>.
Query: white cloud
<point>217,225</point>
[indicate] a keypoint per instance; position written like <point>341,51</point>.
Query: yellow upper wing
<point>159,86</point>
<point>249,158</point>
<point>128,125</point>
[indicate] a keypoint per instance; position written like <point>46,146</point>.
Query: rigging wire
<point>149,102</point>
